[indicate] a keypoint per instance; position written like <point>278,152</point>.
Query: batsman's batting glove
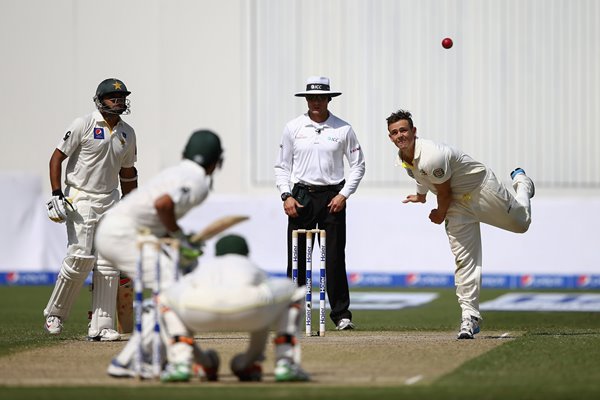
<point>59,206</point>
<point>188,252</point>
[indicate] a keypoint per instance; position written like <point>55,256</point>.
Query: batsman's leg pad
<point>104,297</point>
<point>70,280</point>
<point>126,355</point>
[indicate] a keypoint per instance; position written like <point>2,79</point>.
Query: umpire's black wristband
<point>58,192</point>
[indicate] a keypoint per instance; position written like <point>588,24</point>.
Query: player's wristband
<point>129,179</point>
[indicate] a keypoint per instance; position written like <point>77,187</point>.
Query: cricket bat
<point>125,306</point>
<point>217,227</point>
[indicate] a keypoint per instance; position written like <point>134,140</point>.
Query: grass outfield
<point>557,356</point>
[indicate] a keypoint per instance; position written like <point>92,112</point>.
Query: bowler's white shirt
<point>96,153</point>
<point>434,163</point>
<point>313,154</point>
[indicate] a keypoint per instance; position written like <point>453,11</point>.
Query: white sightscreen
<point>520,87</point>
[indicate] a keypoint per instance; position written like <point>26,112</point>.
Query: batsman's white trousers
<point>117,241</point>
<point>81,229</point>
<point>492,204</point>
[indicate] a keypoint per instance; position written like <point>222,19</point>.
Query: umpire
<point>311,158</point>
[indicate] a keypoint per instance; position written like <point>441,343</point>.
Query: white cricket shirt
<point>97,154</point>
<point>313,154</point>
<point>186,183</point>
<point>434,163</point>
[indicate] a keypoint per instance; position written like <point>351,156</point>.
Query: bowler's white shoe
<point>468,328</point>
<point>53,325</point>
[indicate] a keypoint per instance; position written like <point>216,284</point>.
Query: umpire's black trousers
<point>315,214</point>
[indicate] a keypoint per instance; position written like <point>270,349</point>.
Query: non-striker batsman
<point>100,149</point>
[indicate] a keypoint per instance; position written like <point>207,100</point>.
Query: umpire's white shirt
<point>97,153</point>
<point>313,154</point>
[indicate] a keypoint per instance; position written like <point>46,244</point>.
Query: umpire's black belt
<point>321,188</point>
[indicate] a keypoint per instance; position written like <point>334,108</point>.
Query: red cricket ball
<point>447,43</point>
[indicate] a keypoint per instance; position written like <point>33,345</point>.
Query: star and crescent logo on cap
<point>117,85</point>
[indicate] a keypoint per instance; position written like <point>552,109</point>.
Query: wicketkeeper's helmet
<point>204,148</point>
<point>231,244</point>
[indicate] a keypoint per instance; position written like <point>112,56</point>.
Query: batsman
<point>156,207</point>
<point>100,149</point>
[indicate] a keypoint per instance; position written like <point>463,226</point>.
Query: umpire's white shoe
<point>468,328</point>
<point>53,325</point>
<point>344,324</point>
<point>105,335</point>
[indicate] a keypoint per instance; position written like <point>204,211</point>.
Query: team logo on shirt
<point>124,135</point>
<point>333,139</point>
<point>438,172</point>
<point>66,136</point>
<point>98,133</point>
<point>422,172</point>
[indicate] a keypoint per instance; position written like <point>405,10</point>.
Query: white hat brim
<point>317,92</point>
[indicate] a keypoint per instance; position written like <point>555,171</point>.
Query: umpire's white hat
<point>316,85</point>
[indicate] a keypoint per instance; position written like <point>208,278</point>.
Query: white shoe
<point>344,324</point>
<point>105,335</point>
<point>468,328</point>
<point>53,325</point>
<point>117,370</point>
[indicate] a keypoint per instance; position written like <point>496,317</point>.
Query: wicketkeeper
<point>232,294</point>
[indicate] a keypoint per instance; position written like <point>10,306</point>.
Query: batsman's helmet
<point>231,244</point>
<point>204,148</point>
<point>105,89</point>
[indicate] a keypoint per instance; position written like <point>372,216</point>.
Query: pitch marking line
<point>413,380</point>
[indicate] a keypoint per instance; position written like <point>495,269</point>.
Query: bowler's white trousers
<point>492,204</point>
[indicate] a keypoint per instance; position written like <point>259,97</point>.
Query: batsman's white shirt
<point>97,153</point>
<point>186,183</point>
<point>313,154</point>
